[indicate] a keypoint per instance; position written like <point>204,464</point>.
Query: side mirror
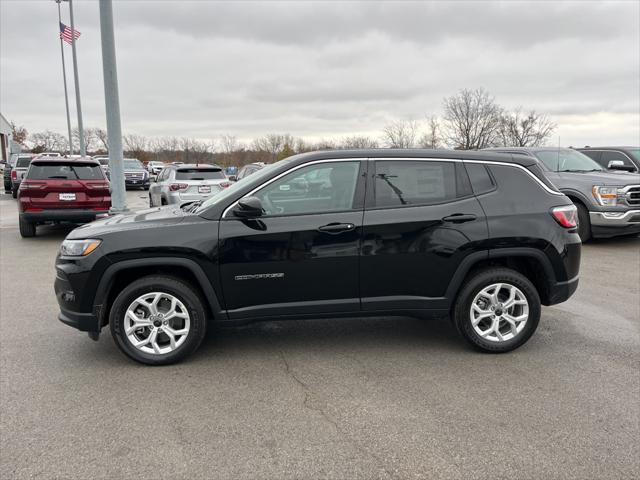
<point>248,207</point>
<point>619,165</point>
<point>233,178</point>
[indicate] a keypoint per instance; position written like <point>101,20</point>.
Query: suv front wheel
<point>158,320</point>
<point>497,310</point>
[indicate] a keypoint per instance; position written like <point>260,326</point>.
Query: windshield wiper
<point>59,176</point>
<point>191,206</point>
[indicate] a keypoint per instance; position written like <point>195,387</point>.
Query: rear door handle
<point>335,228</point>
<point>459,218</point>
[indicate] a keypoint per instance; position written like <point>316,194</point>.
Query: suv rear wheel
<point>158,320</point>
<point>27,229</point>
<point>584,223</point>
<point>497,310</point>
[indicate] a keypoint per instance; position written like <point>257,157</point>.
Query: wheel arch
<point>118,275</point>
<point>530,262</point>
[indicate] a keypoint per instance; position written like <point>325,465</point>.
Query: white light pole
<point>75,76</point>
<point>112,107</point>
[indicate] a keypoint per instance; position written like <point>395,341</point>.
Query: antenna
<point>558,154</point>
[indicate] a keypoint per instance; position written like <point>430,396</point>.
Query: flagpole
<point>77,84</point>
<point>64,80</point>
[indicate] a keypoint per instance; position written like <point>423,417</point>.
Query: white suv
<point>177,184</point>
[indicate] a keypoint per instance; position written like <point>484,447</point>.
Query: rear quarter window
<point>46,171</point>
<point>199,174</point>
<point>481,181</point>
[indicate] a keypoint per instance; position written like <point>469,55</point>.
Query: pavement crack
<point>308,398</point>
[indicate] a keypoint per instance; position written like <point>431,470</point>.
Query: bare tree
<point>525,130</point>
<point>48,141</point>
<point>272,144</point>
<point>400,134</point>
<point>431,138</point>
<point>19,134</point>
<point>228,143</point>
<point>472,119</point>
<point>89,138</point>
<point>358,142</point>
<point>102,140</point>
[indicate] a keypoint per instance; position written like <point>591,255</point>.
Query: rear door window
<point>46,171</point>
<point>199,174</point>
<point>410,183</point>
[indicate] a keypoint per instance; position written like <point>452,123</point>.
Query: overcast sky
<point>327,69</point>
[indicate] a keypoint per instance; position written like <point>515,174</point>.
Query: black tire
<point>27,229</point>
<point>145,187</point>
<point>166,284</point>
<point>150,201</point>
<point>14,192</point>
<point>163,201</point>
<point>480,280</point>
<point>584,223</point>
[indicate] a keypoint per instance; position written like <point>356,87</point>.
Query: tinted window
<point>199,174</point>
<point>593,154</point>
<point>58,170</point>
<point>400,183</point>
<point>608,156</point>
<point>314,189</point>
<point>480,178</point>
<point>23,162</point>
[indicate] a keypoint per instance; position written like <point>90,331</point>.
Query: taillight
<point>97,186</point>
<point>27,185</point>
<point>14,175</point>
<point>174,187</point>
<point>225,184</point>
<point>567,215</point>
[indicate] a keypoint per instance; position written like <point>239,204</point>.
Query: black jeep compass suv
<point>481,237</point>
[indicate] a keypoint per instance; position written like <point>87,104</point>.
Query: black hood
<point>149,218</point>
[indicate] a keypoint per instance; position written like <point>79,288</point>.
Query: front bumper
<point>63,215</point>
<point>611,224</point>
<point>69,302</point>
<point>137,183</point>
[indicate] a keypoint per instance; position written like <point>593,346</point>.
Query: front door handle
<point>335,228</point>
<point>459,218</point>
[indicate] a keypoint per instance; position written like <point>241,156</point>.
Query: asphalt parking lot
<point>354,398</point>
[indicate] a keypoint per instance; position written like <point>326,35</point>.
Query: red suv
<point>62,190</point>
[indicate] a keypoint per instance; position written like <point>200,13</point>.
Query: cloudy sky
<point>328,69</point>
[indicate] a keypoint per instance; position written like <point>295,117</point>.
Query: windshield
<point>567,161</point>
<point>255,179</point>
<point>132,164</point>
<point>199,174</point>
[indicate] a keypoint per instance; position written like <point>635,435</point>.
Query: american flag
<point>66,32</point>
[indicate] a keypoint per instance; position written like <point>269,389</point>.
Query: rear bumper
<point>177,198</point>
<point>63,215</point>
<point>562,291</point>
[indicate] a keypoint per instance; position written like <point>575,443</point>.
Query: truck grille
<point>632,196</point>
<point>133,176</point>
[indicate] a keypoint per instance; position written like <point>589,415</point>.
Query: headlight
<point>79,248</point>
<point>606,196</point>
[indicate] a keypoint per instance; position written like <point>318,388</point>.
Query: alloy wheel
<point>499,312</point>
<point>157,323</point>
